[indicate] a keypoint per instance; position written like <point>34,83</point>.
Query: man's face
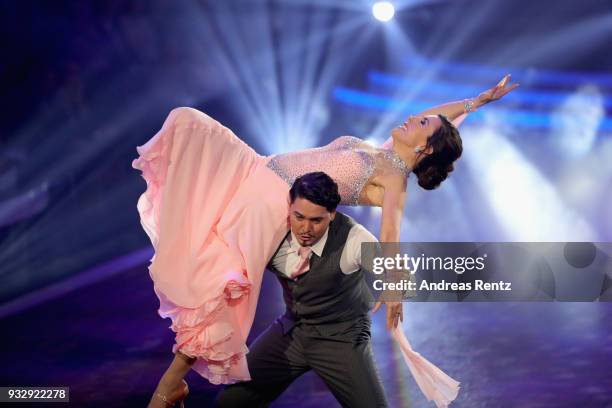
<point>309,221</point>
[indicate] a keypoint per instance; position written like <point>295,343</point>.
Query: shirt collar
<point>316,248</point>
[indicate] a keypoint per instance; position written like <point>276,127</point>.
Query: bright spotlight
<point>383,10</point>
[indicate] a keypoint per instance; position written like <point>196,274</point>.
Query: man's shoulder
<point>356,230</point>
<point>362,234</point>
<point>346,219</point>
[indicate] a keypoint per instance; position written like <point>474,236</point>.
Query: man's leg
<point>275,360</point>
<point>346,363</point>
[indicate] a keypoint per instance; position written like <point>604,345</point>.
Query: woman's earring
<point>419,149</point>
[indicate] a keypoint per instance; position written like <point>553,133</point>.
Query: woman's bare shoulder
<point>392,180</point>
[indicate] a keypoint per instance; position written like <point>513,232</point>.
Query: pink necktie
<point>304,264</point>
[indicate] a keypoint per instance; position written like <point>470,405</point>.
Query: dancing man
<point>326,326</point>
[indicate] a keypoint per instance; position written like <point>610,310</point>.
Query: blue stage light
<point>383,11</point>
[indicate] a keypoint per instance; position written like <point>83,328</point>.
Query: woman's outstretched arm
<point>453,110</point>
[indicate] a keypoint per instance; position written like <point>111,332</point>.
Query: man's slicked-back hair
<point>318,188</point>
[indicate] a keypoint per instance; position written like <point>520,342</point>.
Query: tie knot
<point>304,252</point>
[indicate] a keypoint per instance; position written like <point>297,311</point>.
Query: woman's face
<point>416,130</point>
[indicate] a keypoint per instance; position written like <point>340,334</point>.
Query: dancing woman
<point>216,211</point>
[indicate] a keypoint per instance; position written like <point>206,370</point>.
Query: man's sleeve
<point>351,256</point>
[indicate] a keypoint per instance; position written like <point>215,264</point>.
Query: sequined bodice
<point>348,160</point>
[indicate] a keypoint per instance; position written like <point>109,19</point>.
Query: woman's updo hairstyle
<point>433,168</point>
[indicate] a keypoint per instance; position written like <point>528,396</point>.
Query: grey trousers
<point>340,354</point>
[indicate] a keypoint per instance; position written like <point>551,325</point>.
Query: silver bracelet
<point>468,105</point>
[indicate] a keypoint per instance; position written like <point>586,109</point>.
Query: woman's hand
<point>395,313</point>
<point>495,93</point>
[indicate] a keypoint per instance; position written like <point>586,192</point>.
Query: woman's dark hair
<point>318,188</point>
<point>433,169</point>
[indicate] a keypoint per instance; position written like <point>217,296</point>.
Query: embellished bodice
<point>348,160</point>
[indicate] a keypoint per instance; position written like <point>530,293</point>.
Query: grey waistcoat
<point>325,295</point>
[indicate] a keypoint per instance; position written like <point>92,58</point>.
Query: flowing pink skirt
<point>215,214</point>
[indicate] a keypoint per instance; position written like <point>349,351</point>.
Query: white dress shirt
<point>287,257</point>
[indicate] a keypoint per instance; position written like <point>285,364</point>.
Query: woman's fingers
<point>400,314</point>
<point>395,314</point>
<point>501,89</point>
<point>390,316</point>
<point>504,91</point>
<point>502,82</point>
<point>510,88</point>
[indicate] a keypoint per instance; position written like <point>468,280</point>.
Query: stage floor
<point>107,343</point>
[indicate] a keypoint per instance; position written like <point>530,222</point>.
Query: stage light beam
<point>383,11</point>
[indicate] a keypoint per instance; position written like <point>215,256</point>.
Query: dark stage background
<point>84,83</point>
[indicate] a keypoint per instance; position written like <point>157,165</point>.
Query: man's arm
<point>351,256</point>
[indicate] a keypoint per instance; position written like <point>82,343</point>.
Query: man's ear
<point>333,215</point>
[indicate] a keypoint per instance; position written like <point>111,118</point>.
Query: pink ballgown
<point>215,212</point>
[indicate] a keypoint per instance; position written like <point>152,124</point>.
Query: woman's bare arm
<point>390,228</point>
<point>453,110</point>
<point>392,208</point>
